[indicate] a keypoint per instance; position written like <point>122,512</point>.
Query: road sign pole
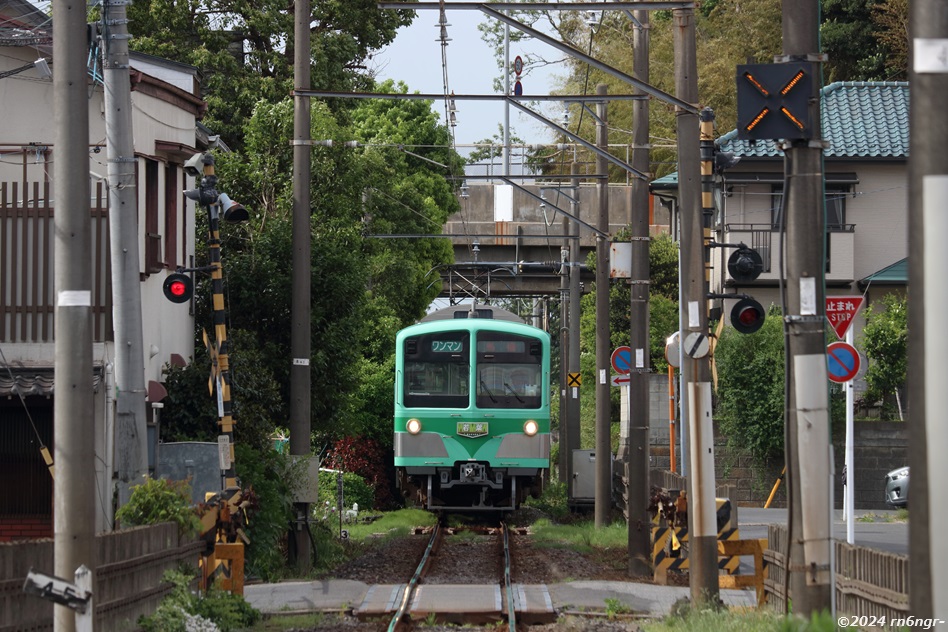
<point>849,497</point>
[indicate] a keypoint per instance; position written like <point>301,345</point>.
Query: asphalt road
<point>875,528</point>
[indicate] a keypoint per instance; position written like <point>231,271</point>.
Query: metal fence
<point>128,576</point>
<point>868,582</point>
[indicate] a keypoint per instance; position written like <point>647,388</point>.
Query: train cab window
<point>508,371</point>
<point>437,370</point>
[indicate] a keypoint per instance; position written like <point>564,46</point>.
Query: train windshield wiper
<point>510,388</point>
<point>487,390</point>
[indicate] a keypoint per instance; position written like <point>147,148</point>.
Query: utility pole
<point>637,455</point>
<point>565,454</point>
<point>301,307</point>
<point>928,197</point>
<point>603,493</point>
<point>575,295</point>
<point>131,434</point>
<point>695,367</point>
<point>808,460</point>
<point>73,406</point>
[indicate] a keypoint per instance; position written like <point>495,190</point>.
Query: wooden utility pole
<point>74,406</point>
<point>928,299</point>
<point>695,366</point>
<point>637,455</point>
<point>603,493</point>
<point>809,448</point>
<point>301,307</point>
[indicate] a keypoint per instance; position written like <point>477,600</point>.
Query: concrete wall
<point>879,447</point>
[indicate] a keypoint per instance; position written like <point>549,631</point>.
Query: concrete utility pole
<point>131,433</point>
<point>695,366</point>
<point>603,493</point>
<point>74,423</point>
<point>565,454</point>
<point>928,300</point>
<point>809,449</point>
<point>575,294</point>
<point>637,455</point>
<point>301,308</point>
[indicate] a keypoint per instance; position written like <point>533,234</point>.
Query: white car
<point>897,487</point>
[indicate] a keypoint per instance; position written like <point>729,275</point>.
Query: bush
<point>183,610</point>
<point>354,490</point>
<point>160,500</point>
<point>375,464</point>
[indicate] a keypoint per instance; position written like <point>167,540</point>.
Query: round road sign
<point>518,65</point>
<point>696,345</point>
<point>842,362</point>
<point>518,89</point>
<point>622,359</point>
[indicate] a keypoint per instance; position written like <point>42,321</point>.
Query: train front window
<point>509,371</point>
<point>437,371</point>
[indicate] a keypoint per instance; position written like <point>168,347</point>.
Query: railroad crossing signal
<point>747,315</point>
<point>773,101</point>
<point>178,287</point>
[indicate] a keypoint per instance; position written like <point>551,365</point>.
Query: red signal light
<point>178,288</point>
<point>747,316</point>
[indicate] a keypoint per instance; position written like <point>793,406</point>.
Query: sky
<point>415,58</point>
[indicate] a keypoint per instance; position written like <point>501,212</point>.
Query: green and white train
<point>472,409</point>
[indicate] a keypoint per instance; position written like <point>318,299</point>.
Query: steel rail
<point>508,586</point>
<point>398,619</point>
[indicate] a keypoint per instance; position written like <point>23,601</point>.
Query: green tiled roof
<point>895,274</point>
<point>859,119</point>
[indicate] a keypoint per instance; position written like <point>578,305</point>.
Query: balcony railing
<point>765,239</point>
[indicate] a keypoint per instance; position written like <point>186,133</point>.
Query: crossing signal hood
<point>747,315</point>
<point>178,288</point>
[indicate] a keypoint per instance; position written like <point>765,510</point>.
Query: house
<point>866,126</point>
<point>166,109</point>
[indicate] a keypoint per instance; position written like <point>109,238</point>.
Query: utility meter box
<point>583,486</point>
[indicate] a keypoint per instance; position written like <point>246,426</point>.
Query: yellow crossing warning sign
<point>574,379</point>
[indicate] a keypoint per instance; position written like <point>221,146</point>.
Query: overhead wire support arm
<point>543,6</point>
<point>595,63</point>
<point>595,230</point>
<point>585,143</point>
<point>430,96</point>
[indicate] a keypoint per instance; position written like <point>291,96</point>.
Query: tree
<point>885,342</point>
<point>750,393</point>
<point>363,289</point>
<point>245,49</point>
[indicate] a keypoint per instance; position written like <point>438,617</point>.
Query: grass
<point>581,536</point>
<point>738,621</point>
<point>391,524</point>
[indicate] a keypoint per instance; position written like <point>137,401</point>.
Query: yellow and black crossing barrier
<point>668,543</point>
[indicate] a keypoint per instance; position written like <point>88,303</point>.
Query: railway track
<point>463,577</point>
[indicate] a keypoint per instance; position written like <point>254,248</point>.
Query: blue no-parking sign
<point>622,359</point>
<point>842,361</point>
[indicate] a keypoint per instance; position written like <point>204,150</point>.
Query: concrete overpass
<point>507,241</point>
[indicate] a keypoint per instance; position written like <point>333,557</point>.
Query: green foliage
<point>750,404</point>
<point>272,477</point>
<point>203,33</point>
<point>354,490</point>
<point>710,620</point>
<point>885,342</point>
<point>184,610</point>
<point>159,500</point>
<point>553,501</point>
<point>372,462</point>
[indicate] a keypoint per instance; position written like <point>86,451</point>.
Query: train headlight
<point>413,426</point>
<point>530,428</point>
